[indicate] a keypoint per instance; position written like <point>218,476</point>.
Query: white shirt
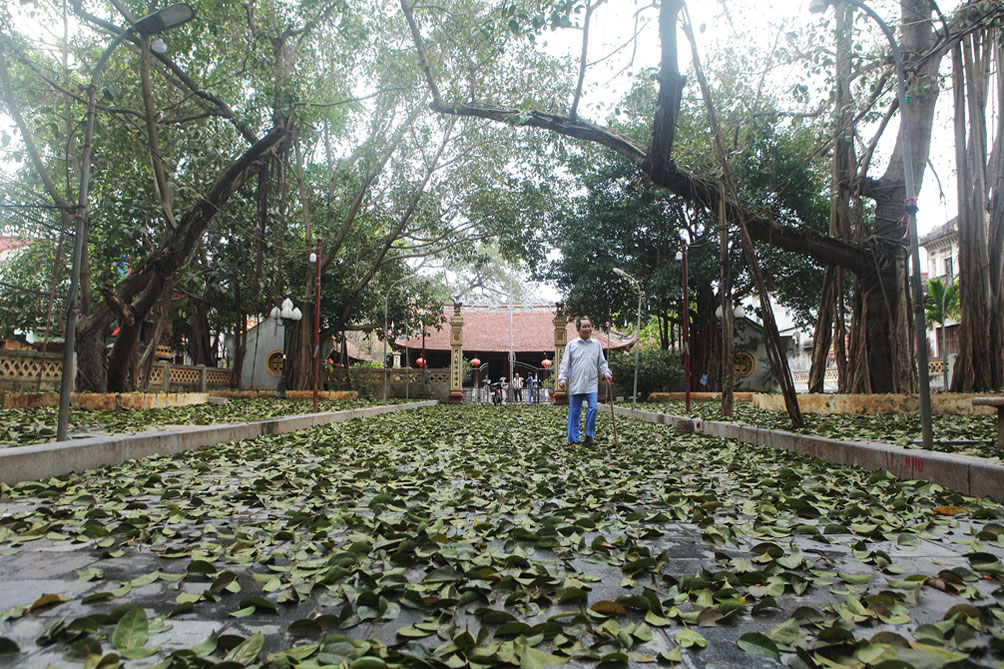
<point>581,366</point>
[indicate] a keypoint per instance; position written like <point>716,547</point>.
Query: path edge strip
<point>966,474</point>
<point>41,461</point>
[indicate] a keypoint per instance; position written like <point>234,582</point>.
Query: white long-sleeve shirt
<point>581,366</point>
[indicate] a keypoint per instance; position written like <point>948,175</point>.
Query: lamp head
<point>679,255</point>
<point>159,46</point>
<point>818,6</point>
<point>164,19</point>
<point>297,314</point>
<point>275,313</point>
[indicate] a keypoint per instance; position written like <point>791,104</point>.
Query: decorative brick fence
<point>26,371</point>
<point>19,372</point>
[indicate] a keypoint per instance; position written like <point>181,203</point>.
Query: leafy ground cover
<point>38,425</point>
<point>900,429</point>
<point>473,536</point>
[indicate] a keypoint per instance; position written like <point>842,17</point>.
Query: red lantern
<point>420,362</point>
<point>546,363</point>
<point>475,362</point>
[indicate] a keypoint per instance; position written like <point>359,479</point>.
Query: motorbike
<point>496,392</point>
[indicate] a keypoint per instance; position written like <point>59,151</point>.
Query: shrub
<point>658,371</point>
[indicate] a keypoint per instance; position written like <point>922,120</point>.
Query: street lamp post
<point>152,24</point>
<point>315,257</point>
<point>637,343</point>
<point>476,394</point>
<point>944,351</point>
<point>546,364</point>
<point>685,320</point>
<point>290,315</point>
<point>386,334</point>
<point>910,203</point>
<point>407,362</point>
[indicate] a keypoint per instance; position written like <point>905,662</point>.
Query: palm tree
<point>940,304</point>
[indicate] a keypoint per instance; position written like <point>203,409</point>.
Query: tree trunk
<point>199,341</point>
<point>705,343</point>
<point>143,287</point>
<point>727,369</point>
<point>829,320</point>
<point>822,335</point>
<point>145,366</point>
<point>970,76</point>
<point>995,243</point>
<point>240,343</point>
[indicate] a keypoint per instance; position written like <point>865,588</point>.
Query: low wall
<point>401,382</point>
<point>103,401</point>
<point>291,394</point>
<point>824,403</point>
<point>700,397</point>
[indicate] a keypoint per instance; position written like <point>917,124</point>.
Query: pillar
<point>456,356</point>
<point>560,341</point>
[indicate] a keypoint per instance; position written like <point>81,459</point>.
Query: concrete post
<point>202,378</point>
<point>456,356</point>
<point>166,380</point>
<point>560,341</point>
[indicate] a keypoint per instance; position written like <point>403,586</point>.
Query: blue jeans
<point>575,414</point>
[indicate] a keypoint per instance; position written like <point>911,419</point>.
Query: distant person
<point>582,363</point>
<point>517,387</point>
<point>530,383</point>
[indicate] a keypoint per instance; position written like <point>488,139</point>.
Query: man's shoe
<point>589,441</point>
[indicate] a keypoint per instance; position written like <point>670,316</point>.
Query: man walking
<point>582,363</point>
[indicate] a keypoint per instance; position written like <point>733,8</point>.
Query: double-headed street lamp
<point>290,316</point>
<point>910,203</point>
<point>637,343</point>
<point>152,24</point>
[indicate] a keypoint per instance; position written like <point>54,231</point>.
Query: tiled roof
<point>488,330</point>
<point>11,243</point>
<point>356,353</point>
<point>940,232</point>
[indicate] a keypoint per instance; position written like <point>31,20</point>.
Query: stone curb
<point>966,474</point>
<point>42,461</point>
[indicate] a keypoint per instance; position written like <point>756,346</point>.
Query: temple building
<point>491,332</point>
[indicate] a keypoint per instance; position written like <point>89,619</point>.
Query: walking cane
<point>613,419</point>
